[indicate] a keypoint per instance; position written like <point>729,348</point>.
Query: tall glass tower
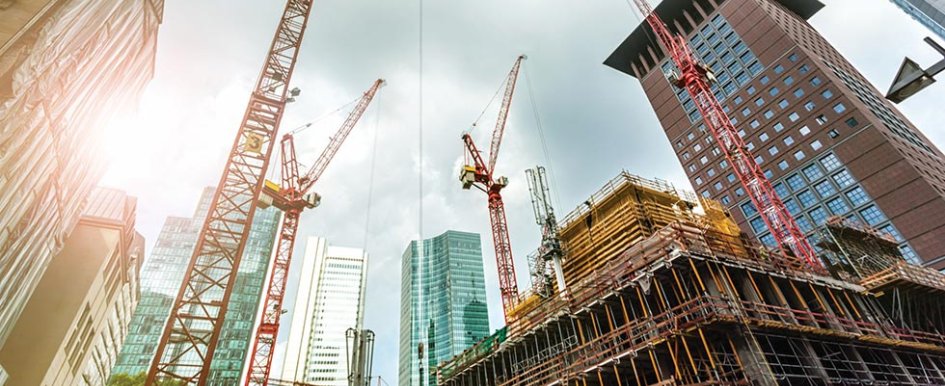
<point>160,281</point>
<point>442,303</point>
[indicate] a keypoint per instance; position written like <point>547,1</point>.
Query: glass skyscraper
<point>160,280</point>
<point>931,13</point>
<point>442,303</point>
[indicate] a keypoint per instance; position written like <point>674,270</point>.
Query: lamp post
<point>911,78</point>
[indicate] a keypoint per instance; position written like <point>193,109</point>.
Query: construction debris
<point>662,289</point>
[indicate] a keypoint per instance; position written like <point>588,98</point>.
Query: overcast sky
<point>596,121</point>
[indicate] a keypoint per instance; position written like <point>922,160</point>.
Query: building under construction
<point>663,289</point>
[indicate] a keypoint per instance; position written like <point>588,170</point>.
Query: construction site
<point>644,285</point>
<point>817,263</point>
<point>660,293</point>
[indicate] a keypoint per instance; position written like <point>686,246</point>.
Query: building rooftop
<point>669,11</point>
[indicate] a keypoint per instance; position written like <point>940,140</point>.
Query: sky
<point>406,152</point>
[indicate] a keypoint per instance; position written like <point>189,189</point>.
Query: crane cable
<point>491,101</point>
<point>422,338</point>
<point>299,129</point>
<point>541,137</point>
<point>370,192</point>
<point>308,124</point>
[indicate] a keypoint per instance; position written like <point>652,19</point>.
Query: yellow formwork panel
<point>626,211</point>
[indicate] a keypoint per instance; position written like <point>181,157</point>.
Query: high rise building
<point>442,303</point>
<point>931,13</point>
<point>160,280</point>
<point>66,67</point>
<point>826,138</point>
<point>74,323</point>
<point>329,301</point>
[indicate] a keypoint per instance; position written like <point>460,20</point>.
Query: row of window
<point>733,64</point>
<point>820,190</point>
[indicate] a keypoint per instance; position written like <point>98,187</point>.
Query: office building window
<point>792,207</point>
<point>825,189</point>
<point>796,182</point>
<point>830,162</point>
<point>819,215</point>
<point>807,198</point>
<point>813,172</point>
<point>872,215</point>
<point>758,225</point>
<point>838,207</point>
<point>857,196</point>
<point>843,179</point>
<point>781,190</point>
<point>749,210</point>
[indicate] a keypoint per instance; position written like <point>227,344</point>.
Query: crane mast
<point>550,250</point>
<point>695,77</point>
<point>192,331</point>
<point>292,198</point>
<point>479,174</point>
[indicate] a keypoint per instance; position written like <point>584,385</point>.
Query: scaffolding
<point>912,295</point>
<point>659,294</point>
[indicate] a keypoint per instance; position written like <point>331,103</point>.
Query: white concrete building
<point>329,301</point>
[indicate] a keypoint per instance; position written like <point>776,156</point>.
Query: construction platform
<point>663,289</point>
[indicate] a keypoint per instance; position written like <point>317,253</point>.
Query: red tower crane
<point>190,335</point>
<point>695,77</point>
<point>479,174</point>
<point>292,198</point>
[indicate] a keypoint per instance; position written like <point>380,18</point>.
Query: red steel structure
<point>190,335</point>
<point>292,198</point>
<point>479,174</point>
<point>695,78</point>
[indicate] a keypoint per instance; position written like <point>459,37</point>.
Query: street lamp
<point>911,78</point>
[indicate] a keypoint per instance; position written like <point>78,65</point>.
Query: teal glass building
<point>442,303</point>
<point>161,276</point>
